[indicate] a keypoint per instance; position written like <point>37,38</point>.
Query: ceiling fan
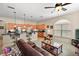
<point>59,6</point>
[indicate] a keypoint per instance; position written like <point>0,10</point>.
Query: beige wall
<point>9,20</point>
<point>72,17</point>
<point>18,21</point>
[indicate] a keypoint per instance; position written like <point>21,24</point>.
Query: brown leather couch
<point>26,49</point>
<point>33,45</point>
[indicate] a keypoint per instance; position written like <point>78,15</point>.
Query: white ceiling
<point>34,11</point>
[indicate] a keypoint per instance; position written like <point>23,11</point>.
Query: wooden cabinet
<point>41,29</point>
<point>40,34</point>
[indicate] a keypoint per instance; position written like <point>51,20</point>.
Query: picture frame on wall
<point>47,26</point>
<point>51,27</point>
<point>1,27</point>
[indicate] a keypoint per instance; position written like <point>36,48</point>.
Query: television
<point>77,34</point>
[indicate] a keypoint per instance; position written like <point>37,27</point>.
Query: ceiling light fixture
<point>13,13</point>
<point>15,16</point>
<point>24,17</point>
<point>59,8</point>
<point>24,20</point>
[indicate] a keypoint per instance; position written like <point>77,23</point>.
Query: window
<point>62,28</point>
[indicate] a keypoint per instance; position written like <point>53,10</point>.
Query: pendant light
<point>14,17</point>
<point>24,20</point>
<point>12,8</point>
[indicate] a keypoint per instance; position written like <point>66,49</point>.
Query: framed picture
<point>47,26</point>
<point>51,27</point>
<point>1,27</point>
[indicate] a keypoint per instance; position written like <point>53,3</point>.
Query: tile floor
<point>68,49</point>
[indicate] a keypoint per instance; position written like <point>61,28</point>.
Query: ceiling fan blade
<point>66,4</point>
<point>48,7</point>
<point>64,9</point>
